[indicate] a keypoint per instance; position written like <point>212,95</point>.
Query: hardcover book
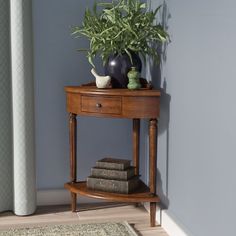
<point>115,186</point>
<point>112,174</point>
<point>113,164</point>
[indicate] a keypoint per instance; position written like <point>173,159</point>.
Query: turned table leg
<point>136,137</point>
<point>136,142</point>
<point>152,166</point>
<point>73,140</point>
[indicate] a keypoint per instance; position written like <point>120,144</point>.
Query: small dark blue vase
<point>118,66</point>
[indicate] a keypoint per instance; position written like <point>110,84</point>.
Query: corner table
<point>115,103</point>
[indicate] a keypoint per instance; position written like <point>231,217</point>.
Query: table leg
<point>136,137</point>
<point>136,142</point>
<point>152,166</point>
<point>73,140</point>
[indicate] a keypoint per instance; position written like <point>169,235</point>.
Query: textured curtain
<point>17,164</point>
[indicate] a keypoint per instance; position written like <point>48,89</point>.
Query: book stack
<point>113,175</point>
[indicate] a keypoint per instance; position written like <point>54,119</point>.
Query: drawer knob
<point>98,105</point>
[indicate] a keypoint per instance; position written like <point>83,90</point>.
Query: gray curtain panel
<point>17,155</point>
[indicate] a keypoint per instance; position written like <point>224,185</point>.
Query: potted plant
<point>120,31</point>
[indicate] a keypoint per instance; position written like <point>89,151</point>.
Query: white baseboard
<point>167,223</point>
<point>59,197</point>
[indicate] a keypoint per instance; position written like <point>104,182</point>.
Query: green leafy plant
<point>121,26</point>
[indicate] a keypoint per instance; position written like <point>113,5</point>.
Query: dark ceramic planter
<point>118,67</point>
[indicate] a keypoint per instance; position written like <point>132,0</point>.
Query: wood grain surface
<point>142,194</point>
<point>116,103</point>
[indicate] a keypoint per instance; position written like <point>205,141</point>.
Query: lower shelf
<point>142,194</point>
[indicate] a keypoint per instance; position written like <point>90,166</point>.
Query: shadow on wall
<point>160,82</point>
<point>164,129</point>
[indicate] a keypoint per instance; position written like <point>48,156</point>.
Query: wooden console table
<point>116,103</point>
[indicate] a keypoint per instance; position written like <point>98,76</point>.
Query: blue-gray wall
<point>57,64</point>
<point>197,132</point>
<point>197,149</point>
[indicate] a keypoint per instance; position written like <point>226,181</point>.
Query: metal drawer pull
<point>98,105</point>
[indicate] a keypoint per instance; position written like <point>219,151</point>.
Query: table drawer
<point>101,104</point>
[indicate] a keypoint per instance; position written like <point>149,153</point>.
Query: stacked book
<point>113,175</point>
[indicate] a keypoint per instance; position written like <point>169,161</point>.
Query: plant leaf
<point>143,5</point>
<point>121,26</point>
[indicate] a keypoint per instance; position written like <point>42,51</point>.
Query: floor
<point>138,217</point>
